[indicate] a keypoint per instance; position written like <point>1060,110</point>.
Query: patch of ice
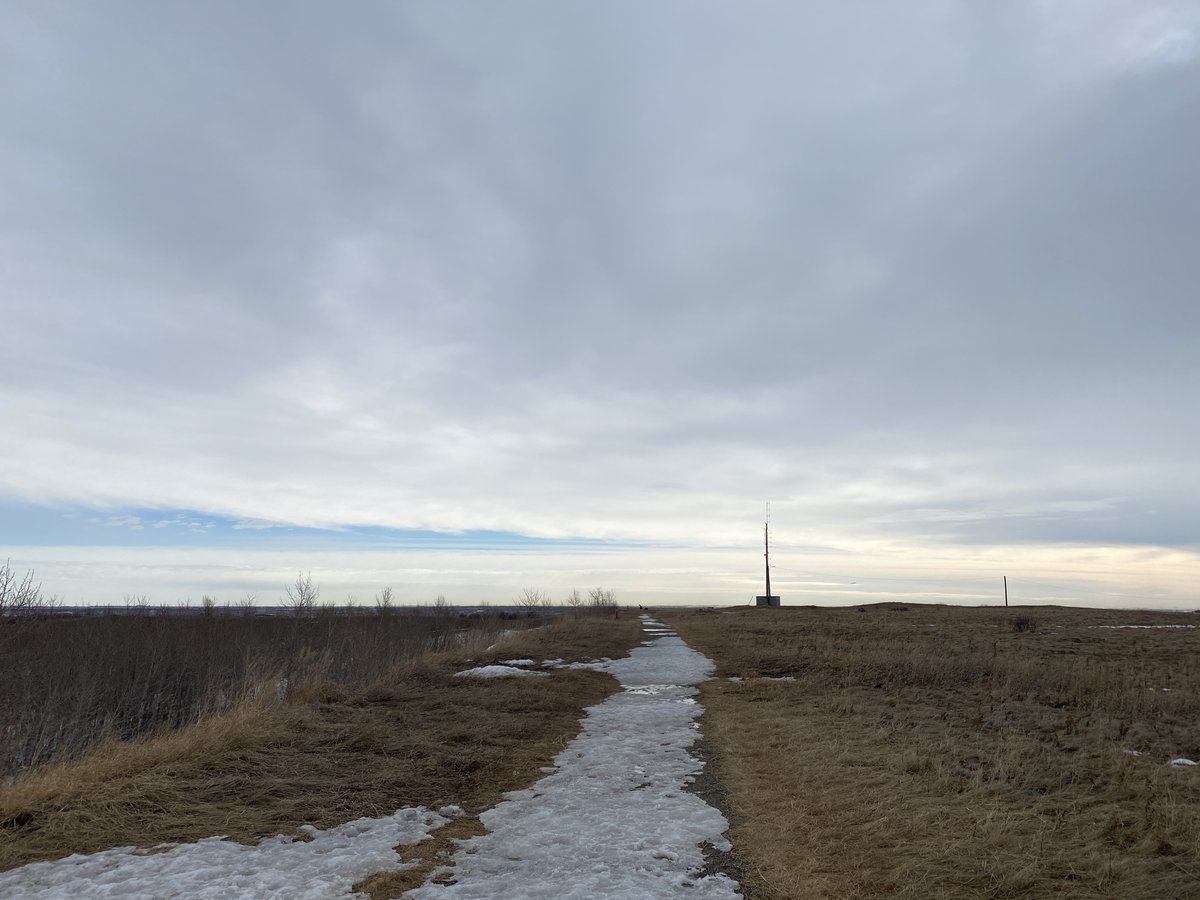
<point>591,666</point>
<point>614,820</point>
<point>494,672</point>
<point>324,867</point>
<point>552,662</point>
<point>518,662</point>
<point>1183,761</point>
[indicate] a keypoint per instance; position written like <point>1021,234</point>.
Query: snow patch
<point>494,672</point>
<point>324,867</point>
<point>518,662</point>
<point>1183,761</point>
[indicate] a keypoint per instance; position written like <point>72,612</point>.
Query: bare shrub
<point>20,596</point>
<point>531,598</point>
<point>603,601</point>
<point>302,594</point>
<point>383,602</point>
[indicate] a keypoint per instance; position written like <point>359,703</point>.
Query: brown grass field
<point>329,754</point>
<point>938,752</point>
<point>913,752</point>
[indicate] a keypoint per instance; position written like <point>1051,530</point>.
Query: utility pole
<point>1006,590</point>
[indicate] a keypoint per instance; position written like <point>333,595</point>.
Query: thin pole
<point>767,556</point>
<point>1006,590</point>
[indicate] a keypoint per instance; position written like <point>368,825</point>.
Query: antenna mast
<point>768,599</point>
<point>767,546</point>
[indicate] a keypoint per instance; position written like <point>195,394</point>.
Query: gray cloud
<point>920,273</point>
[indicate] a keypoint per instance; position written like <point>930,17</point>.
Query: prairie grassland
<point>935,752</point>
<point>328,754</point>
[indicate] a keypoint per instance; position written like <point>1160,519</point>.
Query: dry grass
<point>418,736</point>
<point>946,752</point>
<point>69,682</point>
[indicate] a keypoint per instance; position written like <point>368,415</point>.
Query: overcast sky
<point>922,274</point>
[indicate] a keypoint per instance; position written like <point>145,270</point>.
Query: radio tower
<point>767,599</point>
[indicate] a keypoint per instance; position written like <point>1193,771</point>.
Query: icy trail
<point>613,820</point>
<point>323,867</point>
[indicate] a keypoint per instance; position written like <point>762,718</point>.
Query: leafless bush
<point>531,598</point>
<point>383,602</point>
<point>302,594</point>
<point>603,601</point>
<point>20,596</point>
<point>208,605</point>
<point>575,599</point>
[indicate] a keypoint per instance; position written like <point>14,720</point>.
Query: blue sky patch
<point>31,525</point>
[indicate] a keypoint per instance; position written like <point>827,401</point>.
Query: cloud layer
<point>924,275</point>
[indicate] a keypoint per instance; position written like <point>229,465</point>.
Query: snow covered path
<point>614,819</point>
